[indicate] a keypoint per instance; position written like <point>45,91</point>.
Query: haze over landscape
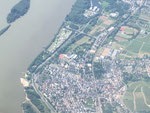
<point>75,56</point>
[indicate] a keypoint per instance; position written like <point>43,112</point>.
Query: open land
<point>135,98</point>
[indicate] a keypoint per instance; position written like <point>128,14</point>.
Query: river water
<point>23,42</point>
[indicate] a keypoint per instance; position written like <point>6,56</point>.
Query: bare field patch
<point>106,20</point>
<point>120,39</point>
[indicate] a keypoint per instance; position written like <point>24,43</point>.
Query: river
<point>23,42</point>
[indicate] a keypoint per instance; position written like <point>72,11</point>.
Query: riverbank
<point>18,48</point>
<point>30,86</point>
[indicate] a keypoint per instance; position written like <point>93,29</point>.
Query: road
<point>100,110</point>
<point>105,37</point>
<point>43,98</point>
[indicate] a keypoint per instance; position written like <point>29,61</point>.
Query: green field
<point>128,100</point>
<point>135,47</point>
<point>129,31</point>
<point>140,43</point>
<point>84,40</point>
<point>137,97</point>
<point>89,103</point>
<point>146,48</point>
<point>105,4</point>
<point>146,91</point>
<point>125,36</point>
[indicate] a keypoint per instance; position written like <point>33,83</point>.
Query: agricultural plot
<point>135,47</point>
<point>102,24</point>
<point>137,97</point>
<point>120,39</point>
<point>97,29</point>
<point>128,100</point>
<point>145,14</point>
<point>146,91</point>
<point>139,101</point>
<point>84,40</point>
<point>146,48</point>
<point>106,20</point>
<point>124,36</point>
<point>122,46</point>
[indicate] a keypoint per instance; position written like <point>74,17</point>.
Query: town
<point>89,69</point>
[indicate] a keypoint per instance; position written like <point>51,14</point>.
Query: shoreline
<point>24,80</point>
<point>20,40</point>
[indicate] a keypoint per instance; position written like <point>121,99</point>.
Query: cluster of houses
<point>93,10</point>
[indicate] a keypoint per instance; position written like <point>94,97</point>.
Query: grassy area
<point>146,48</point>
<point>36,100</point>
<point>84,40</point>
<point>124,44</point>
<point>134,46</point>
<point>27,108</point>
<point>128,100</point>
<point>123,35</point>
<point>134,98</point>
<point>140,105</point>
<point>89,102</point>
<point>131,31</point>
<point>145,15</point>
<point>105,4</point>
<point>146,91</point>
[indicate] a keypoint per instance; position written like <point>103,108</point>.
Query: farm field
<point>102,24</point>
<point>135,47</point>
<point>146,91</point>
<point>137,96</point>
<point>145,15</point>
<point>140,45</point>
<point>84,40</point>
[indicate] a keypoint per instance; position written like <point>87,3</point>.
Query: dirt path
<point>145,101</point>
<point>100,110</point>
<point>141,48</point>
<point>134,102</point>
